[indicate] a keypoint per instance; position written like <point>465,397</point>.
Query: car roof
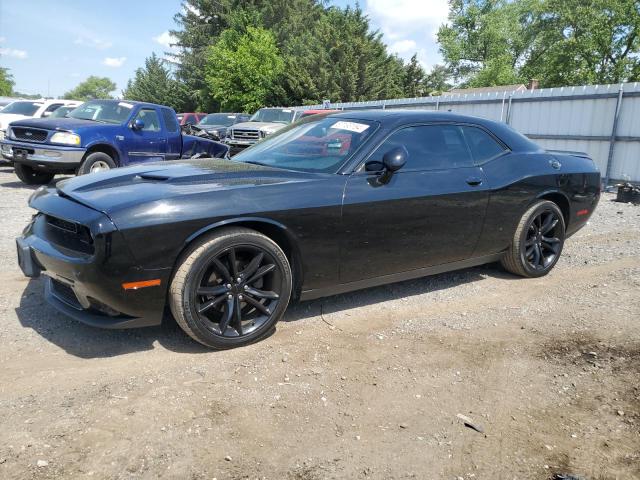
<point>398,117</point>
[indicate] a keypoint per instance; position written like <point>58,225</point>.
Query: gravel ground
<point>362,385</point>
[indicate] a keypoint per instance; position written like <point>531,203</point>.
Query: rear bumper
<point>88,286</point>
<point>46,157</point>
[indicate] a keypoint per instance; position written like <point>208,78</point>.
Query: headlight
<point>4,135</point>
<point>65,138</point>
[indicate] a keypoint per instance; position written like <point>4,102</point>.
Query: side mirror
<point>137,124</point>
<point>392,161</point>
<point>395,159</point>
<point>46,114</point>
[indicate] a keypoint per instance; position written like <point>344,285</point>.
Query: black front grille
<point>29,134</point>
<point>65,293</point>
<point>62,224</point>
<point>71,235</point>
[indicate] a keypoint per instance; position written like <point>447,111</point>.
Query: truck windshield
<point>104,111</point>
<point>22,108</point>
<point>218,119</point>
<point>275,115</point>
<point>310,145</point>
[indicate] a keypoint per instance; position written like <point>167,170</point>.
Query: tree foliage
<point>242,69</point>
<point>6,82</point>
<point>328,52</point>
<point>92,88</point>
<point>154,83</point>
<point>558,42</point>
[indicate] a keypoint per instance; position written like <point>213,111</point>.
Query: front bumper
<point>43,156</point>
<point>87,285</point>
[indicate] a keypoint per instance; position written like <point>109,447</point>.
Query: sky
<point>52,45</point>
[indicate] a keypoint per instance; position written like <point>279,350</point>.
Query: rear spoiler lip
<point>570,152</point>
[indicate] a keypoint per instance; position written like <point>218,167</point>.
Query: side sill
<point>398,277</point>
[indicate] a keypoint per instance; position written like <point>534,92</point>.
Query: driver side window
<point>430,147</point>
<point>150,119</point>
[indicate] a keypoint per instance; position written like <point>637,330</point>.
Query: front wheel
<point>231,288</point>
<point>31,176</point>
<point>96,162</point>
<point>537,242</point>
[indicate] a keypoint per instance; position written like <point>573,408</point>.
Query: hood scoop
<point>153,177</point>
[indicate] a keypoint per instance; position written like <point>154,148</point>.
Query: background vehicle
<point>4,101</point>
<point>62,112</point>
<point>189,118</point>
<point>262,123</point>
<point>327,205</point>
<point>21,109</point>
<point>216,124</point>
<point>100,135</point>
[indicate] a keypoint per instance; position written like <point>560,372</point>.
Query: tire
<point>207,302</point>
<point>31,176</point>
<point>533,235</point>
<point>96,161</point>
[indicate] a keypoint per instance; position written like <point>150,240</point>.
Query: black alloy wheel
<point>237,291</point>
<point>542,243</point>
<point>537,241</point>
<point>231,288</point>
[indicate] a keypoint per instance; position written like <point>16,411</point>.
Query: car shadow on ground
<point>84,341</point>
<point>393,291</point>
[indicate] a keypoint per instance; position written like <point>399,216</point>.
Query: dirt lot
<point>363,385</point>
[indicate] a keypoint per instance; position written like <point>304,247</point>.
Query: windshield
<point>218,119</point>
<point>104,111</point>
<point>311,145</point>
<point>276,115</point>
<point>22,108</point>
<point>61,112</point>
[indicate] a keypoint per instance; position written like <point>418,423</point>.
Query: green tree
<point>199,24</point>
<point>437,80</point>
<point>92,88</point>
<point>585,42</point>
<point>328,52</point>
<point>6,82</point>
<point>242,68</point>
<point>154,83</point>
<point>414,78</point>
<point>485,41</point>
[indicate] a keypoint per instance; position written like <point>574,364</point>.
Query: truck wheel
<point>96,162</point>
<point>31,176</point>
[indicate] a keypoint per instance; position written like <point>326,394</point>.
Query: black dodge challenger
<point>329,204</point>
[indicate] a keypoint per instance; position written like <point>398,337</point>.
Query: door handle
<point>474,181</point>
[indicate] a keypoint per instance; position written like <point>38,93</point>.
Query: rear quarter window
<point>170,120</point>
<point>482,145</point>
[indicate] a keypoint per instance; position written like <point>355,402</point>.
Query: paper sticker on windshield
<point>124,104</point>
<point>350,126</point>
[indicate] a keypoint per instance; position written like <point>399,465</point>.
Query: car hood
<point>7,118</point>
<point>66,124</point>
<point>259,125</point>
<point>112,191</point>
<point>211,127</point>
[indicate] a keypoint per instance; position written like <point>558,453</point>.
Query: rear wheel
<point>537,242</point>
<point>31,176</point>
<point>231,288</point>
<point>96,162</point>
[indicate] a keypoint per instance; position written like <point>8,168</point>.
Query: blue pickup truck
<point>100,135</point>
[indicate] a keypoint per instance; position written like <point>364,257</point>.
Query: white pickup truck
<point>21,109</point>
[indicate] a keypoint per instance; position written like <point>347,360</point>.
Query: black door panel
<point>418,219</point>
